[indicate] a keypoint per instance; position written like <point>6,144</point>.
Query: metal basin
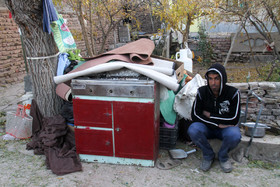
<point>259,132</point>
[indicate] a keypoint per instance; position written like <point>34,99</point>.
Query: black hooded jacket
<point>225,109</point>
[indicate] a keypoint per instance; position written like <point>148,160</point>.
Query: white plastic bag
<point>19,124</point>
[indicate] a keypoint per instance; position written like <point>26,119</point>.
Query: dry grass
<point>237,72</point>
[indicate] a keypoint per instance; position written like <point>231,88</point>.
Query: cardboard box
<point>179,67</point>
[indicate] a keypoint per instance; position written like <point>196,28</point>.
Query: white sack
<point>185,98</point>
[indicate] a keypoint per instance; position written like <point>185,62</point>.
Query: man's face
<point>214,81</point>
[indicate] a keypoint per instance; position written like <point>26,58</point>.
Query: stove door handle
<point>118,129</point>
<point>107,143</point>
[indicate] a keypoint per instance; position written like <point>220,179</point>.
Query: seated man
<point>215,114</point>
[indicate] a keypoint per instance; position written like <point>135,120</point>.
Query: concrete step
<point>266,148</point>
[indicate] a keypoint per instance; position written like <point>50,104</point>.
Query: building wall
<point>12,66</point>
<point>231,27</point>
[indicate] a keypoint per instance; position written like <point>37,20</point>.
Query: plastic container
<point>168,137</point>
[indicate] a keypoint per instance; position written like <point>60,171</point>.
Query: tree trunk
<point>28,16</point>
<point>79,13</point>
<point>187,32</point>
<point>91,29</point>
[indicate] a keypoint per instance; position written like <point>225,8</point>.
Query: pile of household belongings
<point>52,137</point>
<point>177,96</point>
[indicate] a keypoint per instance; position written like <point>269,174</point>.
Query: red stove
<point>116,120</point>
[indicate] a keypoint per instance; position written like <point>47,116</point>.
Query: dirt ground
<point>19,167</point>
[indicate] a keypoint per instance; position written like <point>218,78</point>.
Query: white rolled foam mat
<point>163,79</point>
<point>163,63</point>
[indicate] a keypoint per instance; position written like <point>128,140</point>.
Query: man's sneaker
<point>226,166</point>
<point>206,165</point>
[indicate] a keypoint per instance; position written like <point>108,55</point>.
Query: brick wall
<point>12,67</point>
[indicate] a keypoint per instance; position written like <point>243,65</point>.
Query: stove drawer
<point>92,113</point>
<point>94,142</point>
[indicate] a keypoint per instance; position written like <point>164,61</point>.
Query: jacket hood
<point>220,69</point>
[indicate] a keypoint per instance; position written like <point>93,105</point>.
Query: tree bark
<point>187,32</point>
<point>91,29</point>
<point>79,13</point>
<point>28,15</point>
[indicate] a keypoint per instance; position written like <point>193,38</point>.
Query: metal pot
<point>259,132</point>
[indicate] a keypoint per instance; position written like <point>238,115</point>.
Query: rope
<point>44,57</point>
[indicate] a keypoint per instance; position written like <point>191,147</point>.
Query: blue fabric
<point>49,15</point>
<point>230,136</point>
<point>63,63</point>
<point>71,124</point>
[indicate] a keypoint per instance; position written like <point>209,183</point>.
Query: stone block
<point>274,94</point>
<point>240,86</point>
<point>267,86</point>
<point>270,100</point>
<point>259,92</point>
<point>276,112</point>
<point>266,111</point>
<point>253,85</point>
<point>252,110</point>
<point>267,118</point>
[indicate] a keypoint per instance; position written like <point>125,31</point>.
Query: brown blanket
<point>53,138</point>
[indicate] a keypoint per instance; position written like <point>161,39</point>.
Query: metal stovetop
<point>125,83</point>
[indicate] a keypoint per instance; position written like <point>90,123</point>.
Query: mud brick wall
<point>12,67</point>
<point>241,53</point>
<point>221,44</point>
<point>269,92</point>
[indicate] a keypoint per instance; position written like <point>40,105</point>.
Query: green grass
<point>263,165</point>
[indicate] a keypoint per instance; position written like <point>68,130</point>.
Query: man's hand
<point>205,113</point>
<point>224,126</point>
